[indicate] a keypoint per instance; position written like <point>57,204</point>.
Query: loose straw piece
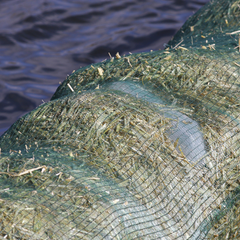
<point>70,87</point>
<point>233,32</point>
<point>23,173</point>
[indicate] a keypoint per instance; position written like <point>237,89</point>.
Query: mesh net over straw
<point>144,146</point>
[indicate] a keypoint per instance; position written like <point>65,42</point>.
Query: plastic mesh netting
<point>144,146</point>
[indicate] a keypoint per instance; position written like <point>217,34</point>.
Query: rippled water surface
<point>43,41</point>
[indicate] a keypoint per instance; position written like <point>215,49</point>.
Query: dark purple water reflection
<point>43,41</point>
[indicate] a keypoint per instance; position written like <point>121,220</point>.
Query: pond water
<point>43,41</point>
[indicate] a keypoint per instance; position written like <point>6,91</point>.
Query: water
<point>43,41</point>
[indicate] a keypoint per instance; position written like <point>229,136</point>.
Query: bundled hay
<point>119,167</point>
<point>104,161</point>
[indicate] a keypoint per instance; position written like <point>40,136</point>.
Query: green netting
<point>144,146</point>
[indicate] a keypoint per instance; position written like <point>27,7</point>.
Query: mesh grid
<point>144,146</point>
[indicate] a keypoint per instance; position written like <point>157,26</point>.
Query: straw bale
<point>95,163</point>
